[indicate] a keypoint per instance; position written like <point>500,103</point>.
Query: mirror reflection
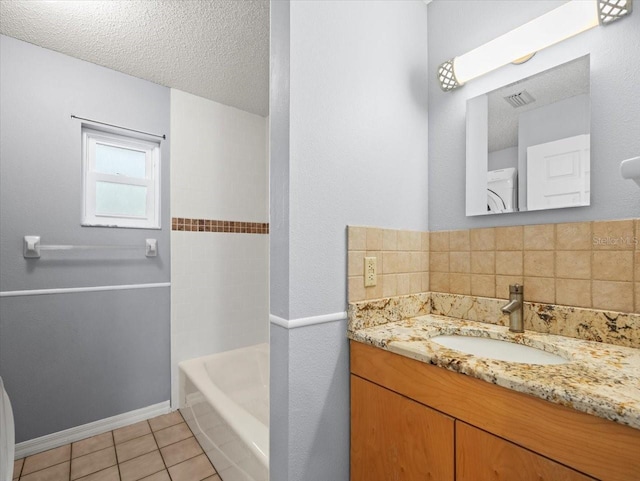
<point>528,143</point>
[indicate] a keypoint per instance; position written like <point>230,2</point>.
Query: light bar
<point>570,19</point>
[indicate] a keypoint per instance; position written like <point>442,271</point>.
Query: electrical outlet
<point>370,271</point>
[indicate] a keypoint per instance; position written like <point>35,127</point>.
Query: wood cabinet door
<point>396,439</point>
<point>481,456</point>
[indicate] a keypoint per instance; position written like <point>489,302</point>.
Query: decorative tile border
<point>207,225</point>
<point>619,328</point>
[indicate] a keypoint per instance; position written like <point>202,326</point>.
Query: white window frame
<point>90,138</point>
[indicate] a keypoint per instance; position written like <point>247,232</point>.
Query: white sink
<point>498,349</point>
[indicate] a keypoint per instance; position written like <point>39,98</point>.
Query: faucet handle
<point>516,289</point>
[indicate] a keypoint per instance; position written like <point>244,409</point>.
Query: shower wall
<point>219,241</point>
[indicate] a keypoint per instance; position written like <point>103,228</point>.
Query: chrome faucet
<point>515,308</point>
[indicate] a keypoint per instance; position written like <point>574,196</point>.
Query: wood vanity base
<point>455,427</point>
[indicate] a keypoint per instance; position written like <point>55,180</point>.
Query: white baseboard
<point>54,440</point>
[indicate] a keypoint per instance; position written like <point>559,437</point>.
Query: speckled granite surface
<point>600,378</point>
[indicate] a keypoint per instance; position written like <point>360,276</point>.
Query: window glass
<point>121,199</point>
<point>120,161</point>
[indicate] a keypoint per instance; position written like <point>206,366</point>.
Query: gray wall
<point>69,359</point>
<point>457,27</point>
<point>348,146</point>
<point>503,159</point>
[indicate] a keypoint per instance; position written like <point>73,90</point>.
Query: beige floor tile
<point>92,444</point>
<point>194,469</point>
<point>160,476</point>
<point>173,434</point>
<point>48,458</point>
<point>129,432</point>
<point>165,421</point>
<point>142,466</point>
<point>215,477</point>
<point>59,472</point>
<point>91,463</point>
<point>181,451</point>
<point>136,447</point>
<point>17,467</point>
<point>109,474</point>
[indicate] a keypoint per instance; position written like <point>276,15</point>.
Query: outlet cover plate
<point>370,271</point>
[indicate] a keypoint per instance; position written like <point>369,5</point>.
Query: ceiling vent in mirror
<point>520,99</point>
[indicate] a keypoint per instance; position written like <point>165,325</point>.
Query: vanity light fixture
<point>572,18</point>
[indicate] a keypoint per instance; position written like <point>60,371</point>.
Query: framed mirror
<point>528,143</point>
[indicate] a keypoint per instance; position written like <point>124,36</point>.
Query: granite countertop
<point>599,379</point>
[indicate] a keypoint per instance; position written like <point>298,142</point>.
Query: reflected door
<point>558,173</point>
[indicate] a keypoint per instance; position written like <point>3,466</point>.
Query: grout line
<point>153,433</point>
<point>113,438</point>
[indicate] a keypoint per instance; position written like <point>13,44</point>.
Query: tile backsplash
<point>583,264</point>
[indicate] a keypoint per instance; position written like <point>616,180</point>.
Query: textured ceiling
<point>217,49</point>
<point>561,82</point>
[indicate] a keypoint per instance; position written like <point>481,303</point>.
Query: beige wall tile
<point>540,237</point>
<point>424,261</point>
<point>483,239</point>
<point>573,236</point>
<point>460,262</point>
<point>404,261</point>
<point>403,284</point>
<point>483,285</point>
<point>389,262</point>
<point>610,295</point>
<point>439,241</point>
<point>637,297</point>
<point>439,262</point>
<point>415,282</point>
<point>503,283</point>
<point>425,282</point>
<point>573,292</point>
<point>409,240</point>
<point>459,240</point>
<point>357,238</point>
<point>613,265</point>
<point>509,263</point>
<point>415,259</point>
<point>425,240</point>
<point>637,265</point>
<point>439,281</point>
<point>389,285</point>
<point>636,239</point>
<point>540,289</point>
<point>573,264</point>
<point>614,235</point>
<point>355,263</point>
<point>509,238</point>
<point>378,257</point>
<point>389,240</point>
<point>374,292</point>
<point>374,239</point>
<point>483,262</point>
<point>539,263</point>
<point>460,284</point>
<point>356,289</point>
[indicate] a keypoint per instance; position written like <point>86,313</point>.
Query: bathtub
<point>225,400</point>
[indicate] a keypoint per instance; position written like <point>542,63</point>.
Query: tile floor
<point>160,449</point>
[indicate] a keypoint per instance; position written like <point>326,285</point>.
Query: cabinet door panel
<point>396,439</point>
<point>481,456</point>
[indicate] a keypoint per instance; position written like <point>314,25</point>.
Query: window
<point>121,180</point>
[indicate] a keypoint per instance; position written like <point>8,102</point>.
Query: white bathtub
<point>225,400</point>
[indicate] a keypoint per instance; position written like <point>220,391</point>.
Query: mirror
<point>528,143</point>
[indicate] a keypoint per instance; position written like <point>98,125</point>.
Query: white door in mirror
<point>558,173</point>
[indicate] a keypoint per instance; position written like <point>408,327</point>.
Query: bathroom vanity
<point>422,411</point>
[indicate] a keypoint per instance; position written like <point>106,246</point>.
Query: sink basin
<point>499,350</point>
